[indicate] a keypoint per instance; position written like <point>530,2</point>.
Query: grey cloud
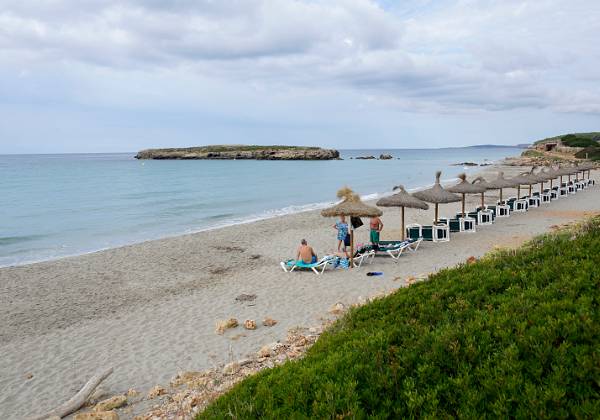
<point>454,56</point>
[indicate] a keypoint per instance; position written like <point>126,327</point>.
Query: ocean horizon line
<point>502,146</point>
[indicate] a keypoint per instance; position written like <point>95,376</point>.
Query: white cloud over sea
<point>102,75</point>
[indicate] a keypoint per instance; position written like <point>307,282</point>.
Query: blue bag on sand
<point>374,273</point>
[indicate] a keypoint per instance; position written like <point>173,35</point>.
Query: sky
<point>124,75</point>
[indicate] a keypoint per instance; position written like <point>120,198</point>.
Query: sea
<point>54,206</point>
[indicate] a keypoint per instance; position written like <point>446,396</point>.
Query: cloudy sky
<point>122,75</point>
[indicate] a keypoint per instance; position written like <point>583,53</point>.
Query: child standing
<point>342,232</point>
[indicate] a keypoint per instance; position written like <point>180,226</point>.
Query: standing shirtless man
<point>376,227</point>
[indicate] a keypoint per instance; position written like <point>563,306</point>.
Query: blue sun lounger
<point>290,265</point>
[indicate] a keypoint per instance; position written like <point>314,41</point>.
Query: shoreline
<point>150,310</point>
<point>265,215</point>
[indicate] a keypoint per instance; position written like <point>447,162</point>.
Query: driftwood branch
<point>79,399</point>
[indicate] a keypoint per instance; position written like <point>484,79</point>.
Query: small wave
<point>12,240</point>
<point>220,216</point>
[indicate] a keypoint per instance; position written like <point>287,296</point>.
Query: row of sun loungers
<point>441,231</point>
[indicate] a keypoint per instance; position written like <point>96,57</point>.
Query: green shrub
<point>594,135</point>
<point>532,153</point>
<point>592,153</point>
<point>516,334</point>
<point>572,140</point>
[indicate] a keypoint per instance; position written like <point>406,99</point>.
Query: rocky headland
<point>232,152</point>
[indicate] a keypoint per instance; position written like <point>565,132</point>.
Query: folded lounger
<point>501,210</point>
<point>517,205</point>
<point>483,216</point>
<point>436,233</point>
<point>453,224</point>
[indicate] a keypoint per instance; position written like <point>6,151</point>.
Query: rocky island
<point>232,152</point>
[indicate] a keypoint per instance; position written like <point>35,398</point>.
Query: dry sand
<point>150,309</point>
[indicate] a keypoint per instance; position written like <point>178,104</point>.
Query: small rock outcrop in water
<point>228,152</point>
<point>366,157</point>
<point>465,164</point>
<point>385,157</point>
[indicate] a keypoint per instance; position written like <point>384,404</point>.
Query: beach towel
<point>342,229</point>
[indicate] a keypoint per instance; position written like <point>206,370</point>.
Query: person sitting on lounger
<point>306,253</point>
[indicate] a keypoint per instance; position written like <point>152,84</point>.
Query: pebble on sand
<point>223,326</point>
<point>111,403</point>
<point>269,322</point>
<point>337,309</point>
<point>102,415</point>
<point>250,324</point>
<point>269,349</point>
<point>231,368</point>
<point>156,391</point>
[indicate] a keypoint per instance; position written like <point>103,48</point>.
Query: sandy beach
<point>149,310</point>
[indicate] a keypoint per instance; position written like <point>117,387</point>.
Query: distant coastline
<point>241,152</point>
<point>145,200</point>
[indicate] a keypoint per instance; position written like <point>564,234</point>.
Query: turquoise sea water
<point>54,206</point>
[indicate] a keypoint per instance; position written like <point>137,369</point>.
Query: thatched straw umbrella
<point>402,199</point>
<point>541,177</point>
<point>523,179</point>
<point>531,182</point>
<point>552,174</point>
<point>587,167</point>
<point>500,182</point>
<point>559,172</point>
<point>352,206</point>
<point>483,183</point>
<point>437,195</point>
<point>569,170</point>
<point>464,187</point>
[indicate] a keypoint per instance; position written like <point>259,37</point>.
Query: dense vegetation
<point>516,334</point>
<point>573,140</point>
<point>595,136</point>
<point>592,153</point>
<point>238,148</point>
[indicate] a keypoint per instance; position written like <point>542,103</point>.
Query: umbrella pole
<point>482,201</point>
<point>530,190</point>
<point>551,181</point>
<point>500,196</point>
<point>402,235</point>
<point>541,187</point>
<point>436,213</point>
<point>518,192</point>
<point>463,204</point>
<point>351,247</point>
